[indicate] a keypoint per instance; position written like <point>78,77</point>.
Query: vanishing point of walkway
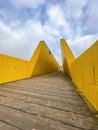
<point>48,102</point>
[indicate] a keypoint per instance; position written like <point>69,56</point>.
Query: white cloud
<point>81,44</point>
<point>27,3</point>
<point>92,17</point>
<point>75,8</point>
<point>14,42</point>
<point>56,16</point>
<point>21,42</point>
<point>57,20</point>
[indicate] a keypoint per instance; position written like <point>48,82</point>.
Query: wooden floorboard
<point>48,102</point>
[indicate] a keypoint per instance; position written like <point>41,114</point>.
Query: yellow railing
<point>42,62</point>
<point>85,74</point>
<point>84,71</point>
<point>67,58</point>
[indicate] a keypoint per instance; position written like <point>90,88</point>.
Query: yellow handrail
<point>42,62</point>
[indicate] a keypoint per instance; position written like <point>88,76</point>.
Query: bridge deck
<point>44,103</point>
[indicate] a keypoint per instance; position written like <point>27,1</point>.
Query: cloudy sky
<point>23,23</point>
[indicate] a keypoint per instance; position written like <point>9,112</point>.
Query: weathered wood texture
<point>48,102</point>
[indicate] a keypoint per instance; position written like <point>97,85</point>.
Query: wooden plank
<point>26,105</point>
<point>46,102</point>
<point>26,121</point>
<point>7,126</point>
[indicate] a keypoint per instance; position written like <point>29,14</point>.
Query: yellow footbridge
<point>36,95</point>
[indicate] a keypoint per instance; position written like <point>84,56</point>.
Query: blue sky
<point>23,23</point>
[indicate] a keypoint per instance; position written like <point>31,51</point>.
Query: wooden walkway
<point>48,102</point>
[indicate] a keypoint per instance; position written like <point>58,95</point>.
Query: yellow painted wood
<point>46,62</point>
<point>42,62</point>
<point>67,57</point>
<point>85,74</point>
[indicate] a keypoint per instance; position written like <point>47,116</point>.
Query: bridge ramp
<point>49,102</point>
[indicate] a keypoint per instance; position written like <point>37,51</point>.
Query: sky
<point>23,23</point>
